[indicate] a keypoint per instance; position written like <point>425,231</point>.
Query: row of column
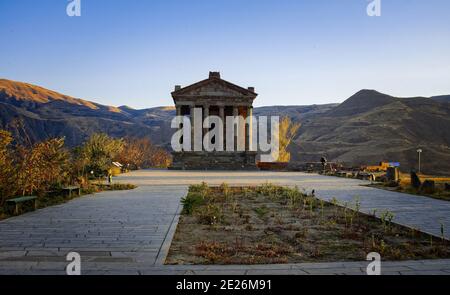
<point>246,128</point>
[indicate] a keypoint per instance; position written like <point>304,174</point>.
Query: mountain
<point>367,128</point>
<point>370,127</point>
<point>442,98</point>
<point>33,113</point>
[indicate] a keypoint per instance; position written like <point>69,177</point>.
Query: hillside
<point>33,113</point>
<point>366,128</point>
<point>371,126</point>
<point>442,98</point>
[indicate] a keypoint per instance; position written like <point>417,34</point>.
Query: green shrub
<point>191,202</point>
<point>201,189</point>
<point>210,214</point>
<point>262,211</point>
<point>121,186</point>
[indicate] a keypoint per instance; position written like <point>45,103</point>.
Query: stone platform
<point>214,161</point>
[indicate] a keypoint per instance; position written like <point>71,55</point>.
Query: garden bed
<point>271,224</point>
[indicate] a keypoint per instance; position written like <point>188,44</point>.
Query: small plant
<point>382,247</point>
<point>202,188</point>
<point>293,196</point>
<point>357,204</point>
<point>322,205</point>
<point>386,220</point>
<point>191,202</point>
<point>262,211</point>
<point>269,189</point>
<point>311,206</point>
<point>336,205</point>
<point>246,192</point>
<point>234,205</point>
<point>210,215</point>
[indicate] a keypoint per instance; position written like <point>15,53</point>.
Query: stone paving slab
<point>110,230</point>
<point>439,267</point>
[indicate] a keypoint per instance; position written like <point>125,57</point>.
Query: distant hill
<point>366,128</point>
<point>442,98</point>
<point>33,113</point>
<point>371,126</point>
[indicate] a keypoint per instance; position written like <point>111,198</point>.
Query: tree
<point>42,166</point>
<point>7,171</point>
<point>287,132</point>
<point>99,152</point>
<point>141,153</point>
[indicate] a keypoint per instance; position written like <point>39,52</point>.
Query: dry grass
<point>271,224</point>
<point>405,178</point>
<point>405,186</point>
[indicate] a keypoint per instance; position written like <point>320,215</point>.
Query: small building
<point>216,97</point>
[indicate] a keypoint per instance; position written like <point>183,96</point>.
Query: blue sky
<point>133,52</point>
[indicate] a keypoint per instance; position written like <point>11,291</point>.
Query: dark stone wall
<point>214,161</point>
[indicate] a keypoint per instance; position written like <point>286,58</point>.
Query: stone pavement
<point>110,230</point>
<point>129,232</point>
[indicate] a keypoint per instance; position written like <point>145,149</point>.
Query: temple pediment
<point>214,86</point>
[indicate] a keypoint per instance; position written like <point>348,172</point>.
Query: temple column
<point>222,117</point>
<point>206,115</point>
<point>178,113</point>
<point>249,130</point>
<point>191,116</point>
<point>235,127</point>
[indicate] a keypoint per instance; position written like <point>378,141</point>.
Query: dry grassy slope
<point>24,93</point>
<point>371,127</point>
<point>33,113</point>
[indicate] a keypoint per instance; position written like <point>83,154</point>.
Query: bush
<point>191,202</point>
<point>210,215</point>
<point>391,184</point>
<point>121,186</point>
<point>428,187</point>
<point>202,189</point>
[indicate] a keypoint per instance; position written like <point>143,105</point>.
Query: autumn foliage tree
<point>42,166</point>
<point>7,171</point>
<point>98,152</point>
<point>48,166</point>
<point>31,169</point>
<point>141,153</point>
<point>287,132</point>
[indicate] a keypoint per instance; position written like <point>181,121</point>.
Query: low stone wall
<point>214,161</point>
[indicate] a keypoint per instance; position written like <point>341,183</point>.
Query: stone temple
<point>216,97</point>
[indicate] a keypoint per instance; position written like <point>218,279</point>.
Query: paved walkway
<point>129,232</point>
<point>110,230</point>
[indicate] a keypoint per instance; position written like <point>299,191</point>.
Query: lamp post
<point>419,151</point>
